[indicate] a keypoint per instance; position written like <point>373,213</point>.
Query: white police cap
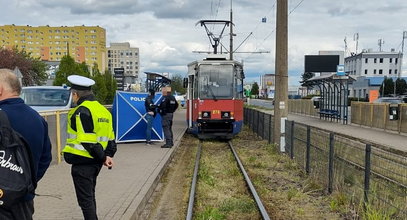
<point>80,82</point>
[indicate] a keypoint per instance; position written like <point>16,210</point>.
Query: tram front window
<point>216,82</point>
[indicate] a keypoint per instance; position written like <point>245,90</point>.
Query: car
<point>391,100</point>
<point>43,98</point>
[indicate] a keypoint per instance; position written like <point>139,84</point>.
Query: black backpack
<point>17,177</point>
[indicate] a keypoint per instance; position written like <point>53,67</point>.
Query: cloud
<point>160,8</point>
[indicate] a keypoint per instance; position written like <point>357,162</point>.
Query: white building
<point>371,64</point>
<point>121,55</point>
<point>369,69</point>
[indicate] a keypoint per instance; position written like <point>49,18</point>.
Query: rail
<point>249,183</point>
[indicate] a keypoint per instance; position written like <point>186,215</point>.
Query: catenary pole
<point>281,74</point>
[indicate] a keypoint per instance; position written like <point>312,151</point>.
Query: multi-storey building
<point>369,68</point>
<point>267,85</point>
<point>83,43</point>
<point>372,64</point>
<point>121,55</point>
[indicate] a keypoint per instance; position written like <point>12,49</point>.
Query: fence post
<point>331,162</point>
<point>308,153</point>
<point>258,123</point>
<point>367,171</point>
<point>269,138</point>
<point>292,140</point>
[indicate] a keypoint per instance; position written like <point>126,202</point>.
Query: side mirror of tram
<point>185,83</point>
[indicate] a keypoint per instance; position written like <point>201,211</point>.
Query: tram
<point>215,97</point>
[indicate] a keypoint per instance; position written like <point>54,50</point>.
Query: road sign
<point>340,70</point>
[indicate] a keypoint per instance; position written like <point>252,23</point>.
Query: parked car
<point>391,100</point>
<point>43,98</point>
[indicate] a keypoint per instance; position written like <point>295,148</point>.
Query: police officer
<point>167,108</point>
<point>150,114</point>
<point>90,142</point>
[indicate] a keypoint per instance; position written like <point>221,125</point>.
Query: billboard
<point>321,63</point>
<point>119,76</point>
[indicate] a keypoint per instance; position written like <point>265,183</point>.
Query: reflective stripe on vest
<point>73,136</point>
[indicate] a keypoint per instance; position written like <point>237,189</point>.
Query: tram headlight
<point>225,114</point>
<point>206,114</point>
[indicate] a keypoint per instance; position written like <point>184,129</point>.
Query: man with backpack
<point>167,108</point>
<point>34,129</point>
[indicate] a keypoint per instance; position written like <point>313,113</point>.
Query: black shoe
<point>166,146</point>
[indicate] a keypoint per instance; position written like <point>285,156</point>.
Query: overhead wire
<point>291,11</point>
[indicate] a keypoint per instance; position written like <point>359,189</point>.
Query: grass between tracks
<point>284,190</point>
<point>221,190</point>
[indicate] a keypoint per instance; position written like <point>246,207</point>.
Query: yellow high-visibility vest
<point>102,132</point>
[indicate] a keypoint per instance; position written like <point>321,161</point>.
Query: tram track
<point>248,182</point>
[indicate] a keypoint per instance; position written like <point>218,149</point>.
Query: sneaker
<point>166,146</point>
<point>148,143</point>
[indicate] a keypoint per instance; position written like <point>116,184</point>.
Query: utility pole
<point>281,74</point>
<point>402,52</point>
<point>231,32</point>
<point>356,38</point>
<point>380,42</point>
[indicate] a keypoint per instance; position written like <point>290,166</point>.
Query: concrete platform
<point>121,193</point>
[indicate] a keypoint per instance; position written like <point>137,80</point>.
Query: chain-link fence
<point>366,173</point>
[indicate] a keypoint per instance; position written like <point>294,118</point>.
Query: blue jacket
<point>33,128</point>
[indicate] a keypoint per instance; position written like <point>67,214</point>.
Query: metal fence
<point>366,173</point>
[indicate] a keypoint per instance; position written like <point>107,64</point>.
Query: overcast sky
<point>166,33</point>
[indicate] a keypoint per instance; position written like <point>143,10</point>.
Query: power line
<point>292,10</point>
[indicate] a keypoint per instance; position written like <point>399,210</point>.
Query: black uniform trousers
<point>84,178</point>
<point>20,211</point>
<point>166,121</point>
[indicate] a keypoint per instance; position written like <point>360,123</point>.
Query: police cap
<point>80,82</point>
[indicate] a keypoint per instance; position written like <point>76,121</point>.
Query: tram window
<point>216,82</point>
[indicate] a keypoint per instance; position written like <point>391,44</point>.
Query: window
<point>391,60</point>
<point>365,72</point>
<point>216,82</point>
<point>395,72</point>
<point>375,60</point>
<point>366,60</point>
<point>380,71</point>
<point>390,71</point>
<point>374,71</point>
<point>396,60</point>
<point>381,60</point>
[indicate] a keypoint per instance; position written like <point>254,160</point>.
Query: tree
<point>99,89</point>
<point>67,67</point>
<point>177,84</point>
<point>111,86</point>
<point>85,68</point>
<point>255,89</point>
<point>32,69</point>
<point>401,86</point>
<point>307,84</point>
<point>388,87</point>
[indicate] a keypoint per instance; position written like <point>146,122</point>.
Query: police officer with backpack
<point>167,108</point>
<point>90,143</point>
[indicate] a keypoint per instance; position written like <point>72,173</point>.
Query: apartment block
<point>83,43</point>
<point>121,55</point>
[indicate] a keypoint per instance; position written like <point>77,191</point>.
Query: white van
<point>42,98</point>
